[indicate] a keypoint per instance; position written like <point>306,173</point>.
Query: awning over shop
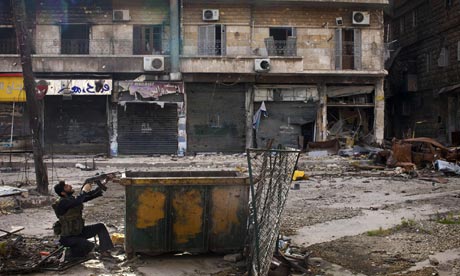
<point>345,91</point>
<point>451,88</point>
<point>79,87</point>
<point>151,89</point>
<point>11,88</point>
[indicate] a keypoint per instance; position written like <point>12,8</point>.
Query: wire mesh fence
<point>270,173</point>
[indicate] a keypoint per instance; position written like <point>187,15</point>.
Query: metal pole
<point>254,207</point>
<point>12,125</point>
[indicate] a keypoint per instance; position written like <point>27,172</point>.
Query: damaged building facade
<point>424,67</point>
<point>307,70</point>
<point>165,77</point>
<point>104,68</point>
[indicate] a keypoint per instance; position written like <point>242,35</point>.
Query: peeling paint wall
<point>248,26</point>
<point>216,117</point>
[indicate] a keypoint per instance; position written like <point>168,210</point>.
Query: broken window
<point>147,39</point>
<point>212,40</point>
<point>458,51</point>
<point>348,49</point>
<point>8,41</point>
<point>402,24</point>
<point>443,59</point>
<point>75,39</point>
<point>414,18</point>
<point>281,42</point>
<point>428,61</point>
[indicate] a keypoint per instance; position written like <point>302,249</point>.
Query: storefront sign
<point>11,88</point>
<point>79,87</point>
<point>150,89</point>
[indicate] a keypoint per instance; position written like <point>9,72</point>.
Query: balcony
<point>281,47</point>
<point>75,46</point>
<point>211,48</point>
<point>8,46</point>
<point>100,47</point>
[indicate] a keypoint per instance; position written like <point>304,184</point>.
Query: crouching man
<point>73,232</point>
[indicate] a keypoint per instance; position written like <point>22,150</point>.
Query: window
<point>458,51</point>
<point>402,24</point>
<point>281,42</point>
<point>212,40</point>
<point>414,18</point>
<point>428,61</point>
<point>348,49</point>
<point>448,3</point>
<point>443,59</point>
<point>8,41</point>
<point>147,39</point>
<point>75,39</point>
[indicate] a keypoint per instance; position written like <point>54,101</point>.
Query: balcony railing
<point>100,47</point>
<point>8,46</point>
<point>211,48</point>
<point>75,46</point>
<point>281,47</point>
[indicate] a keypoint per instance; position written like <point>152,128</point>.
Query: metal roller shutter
<point>216,118</point>
<point>145,128</point>
<point>76,126</point>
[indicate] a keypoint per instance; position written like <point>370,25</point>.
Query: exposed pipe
<point>174,40</point>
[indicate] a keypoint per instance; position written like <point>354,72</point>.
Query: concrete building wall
<point>48,40</point>
<point>248,26</point>
<point>107,37</point>
<point>422,29</point>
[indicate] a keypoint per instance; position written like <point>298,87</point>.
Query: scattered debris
<point>447,167</point>
<point>233,257</point>
<point>331,146</point>
<point>118,238</point>
<point>11,191</point>
<point>299,175</point>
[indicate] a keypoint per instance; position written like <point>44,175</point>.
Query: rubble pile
<point>422,157</point>
<point>19,254</point>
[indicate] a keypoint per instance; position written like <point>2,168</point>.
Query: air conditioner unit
<point>262,65</point>
<point>154,63</point>
<point>121,15</point>
<point>338,21</point>
<point>361,18</point>
<point>210,15</point>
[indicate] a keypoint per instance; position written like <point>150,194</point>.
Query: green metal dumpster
<point>193,211</point>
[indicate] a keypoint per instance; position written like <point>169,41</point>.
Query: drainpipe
<point>174,40</point>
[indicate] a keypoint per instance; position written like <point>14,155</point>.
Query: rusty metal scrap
<point>331,146</point>
<point>420,151</point>
<point>402,152</point>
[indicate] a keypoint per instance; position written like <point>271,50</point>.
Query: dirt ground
<point>350,222</point>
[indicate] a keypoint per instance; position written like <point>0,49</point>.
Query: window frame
<point>148,35</point>
<point>72,44</point>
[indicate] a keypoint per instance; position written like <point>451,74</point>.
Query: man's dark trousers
<point>80,246</point>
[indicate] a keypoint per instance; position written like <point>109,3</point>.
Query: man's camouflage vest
<point>72,221</point>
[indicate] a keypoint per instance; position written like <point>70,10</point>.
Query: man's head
<point>63,190</point>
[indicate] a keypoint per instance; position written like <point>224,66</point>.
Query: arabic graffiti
<point>11,87</point>
<point>89,89</point>
<point>79,87</point>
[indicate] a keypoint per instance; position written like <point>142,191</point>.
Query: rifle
<point>98,179</point>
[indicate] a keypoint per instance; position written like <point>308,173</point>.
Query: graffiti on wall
<point>79,87</point>
<point>11,89</point>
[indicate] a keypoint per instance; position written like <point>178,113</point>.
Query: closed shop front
<point>76,116</point>
<point>147,128</point>
<point>150,118</point>
<point>14,122</point>
<point>216,117</point>
<point>289,116</point>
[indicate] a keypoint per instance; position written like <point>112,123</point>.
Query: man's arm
<point>92,194</point>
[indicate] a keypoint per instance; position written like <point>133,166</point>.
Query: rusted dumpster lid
<point>184,178</point>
